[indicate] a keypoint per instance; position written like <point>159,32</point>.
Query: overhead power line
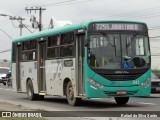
<point>72,3</point>
<point>7,50</point>
<point>142,12</point>
<point>154,28</point>
<point>20,19</point>
<point>2,22</point>
<point>155,37</point>
<point>57,3</point>
<point>5,33</point>
<point>155,55</point>
<point>144,16</point>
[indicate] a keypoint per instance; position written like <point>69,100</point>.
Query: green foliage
<point>156,72</point>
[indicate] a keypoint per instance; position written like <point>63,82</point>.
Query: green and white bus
<point>91,59</point>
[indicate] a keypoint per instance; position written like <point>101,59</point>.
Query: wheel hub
<point>70,93</point>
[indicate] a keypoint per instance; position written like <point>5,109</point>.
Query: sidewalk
<point>10,107</point>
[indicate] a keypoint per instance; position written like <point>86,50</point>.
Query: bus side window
<point>14,52</point>
<point>53,46</point>
<point>67,45</point>
<point>66,51</point>
<point>24,56</point>
<point>31,55</point>
<point>29,50</point>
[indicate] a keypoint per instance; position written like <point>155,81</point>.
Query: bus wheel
<point>121,100</point>
<point>30,91</point>
<point>70,95</point>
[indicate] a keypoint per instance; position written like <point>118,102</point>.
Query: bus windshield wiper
<point>129,41</point>
<point>104,34</point>
<point>133,37</point>
<point>113,45</point>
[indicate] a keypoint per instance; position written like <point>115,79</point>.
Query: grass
<point>156,72</point>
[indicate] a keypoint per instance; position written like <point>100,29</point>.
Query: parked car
<point>3,73</point>
<point>155,84</point>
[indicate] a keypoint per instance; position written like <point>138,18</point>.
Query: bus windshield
<point>118,51</point>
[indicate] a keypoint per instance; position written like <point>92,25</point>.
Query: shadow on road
<point>89,103</point>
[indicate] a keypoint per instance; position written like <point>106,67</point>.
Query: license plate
<point>121,92</point>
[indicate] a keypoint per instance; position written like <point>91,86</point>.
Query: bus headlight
<point>95,83</point>
<point>145,82</point>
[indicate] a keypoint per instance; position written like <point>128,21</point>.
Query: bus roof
<point>65,29</point>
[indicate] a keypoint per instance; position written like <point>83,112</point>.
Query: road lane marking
<point>147,103</point>
<point>7,89</point>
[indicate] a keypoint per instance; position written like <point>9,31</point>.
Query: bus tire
<point>121,100</point>
<point>70,95</point>
<point>30,91</point>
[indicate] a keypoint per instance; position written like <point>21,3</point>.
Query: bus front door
<point>18,60</point>
<point>41,67</point>
<point>79,58</point>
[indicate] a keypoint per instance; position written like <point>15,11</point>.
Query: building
<point>5,63</point>
<point>154,35</point>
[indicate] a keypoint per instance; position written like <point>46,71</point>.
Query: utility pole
<point>40,9</point>
<point>20,19</point>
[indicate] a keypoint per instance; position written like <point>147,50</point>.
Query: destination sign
<point>118,26</point>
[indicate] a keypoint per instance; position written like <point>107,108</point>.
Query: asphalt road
<point>51,103</point>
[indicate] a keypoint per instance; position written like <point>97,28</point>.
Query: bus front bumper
<point>131,91</point>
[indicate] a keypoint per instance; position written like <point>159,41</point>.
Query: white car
<point>155,84</point>
<point>3,72</point>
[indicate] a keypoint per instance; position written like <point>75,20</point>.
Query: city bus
<point>91,59</point>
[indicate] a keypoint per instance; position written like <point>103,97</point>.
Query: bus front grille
<point>121,77</point>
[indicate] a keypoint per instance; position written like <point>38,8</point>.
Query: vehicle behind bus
<point>3,72</point>
<point>92,59</point>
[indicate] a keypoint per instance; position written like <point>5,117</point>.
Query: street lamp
<point>19,19</point>
<point>4,15</point>
<point>5,34</point>
<point>14,18</point>
<point>9,37</point>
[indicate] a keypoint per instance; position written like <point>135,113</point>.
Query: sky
<point>147,11</point>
